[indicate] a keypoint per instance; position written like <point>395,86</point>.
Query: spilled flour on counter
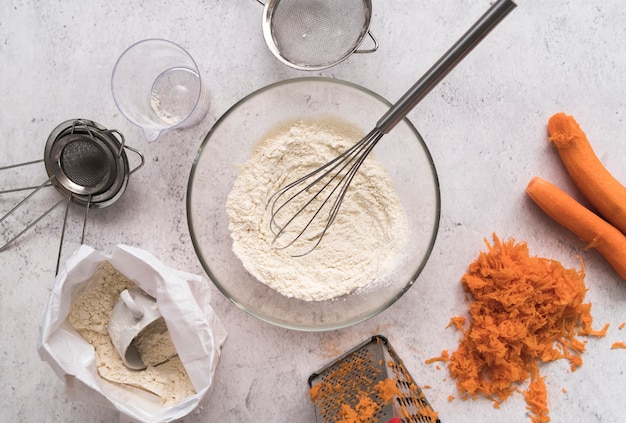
<point>89,315</point>
<point>364,245</point>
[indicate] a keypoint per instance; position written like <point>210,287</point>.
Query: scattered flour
<point>89,315</point>
<point>364,245</point>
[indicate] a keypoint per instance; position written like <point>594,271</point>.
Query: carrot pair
<point>607,234</point>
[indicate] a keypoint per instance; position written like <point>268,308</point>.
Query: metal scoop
<point>134,311</point>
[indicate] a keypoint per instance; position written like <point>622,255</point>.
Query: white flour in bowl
<point>364,245</point>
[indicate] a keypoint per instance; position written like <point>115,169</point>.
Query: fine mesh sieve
<point>83,162</point>
<point>86,163</point>
<point>352,378</point>
<point>316,34</point>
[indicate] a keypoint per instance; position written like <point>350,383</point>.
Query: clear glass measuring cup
<point>156,85</point>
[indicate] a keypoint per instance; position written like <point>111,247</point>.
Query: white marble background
<point>485,125</point>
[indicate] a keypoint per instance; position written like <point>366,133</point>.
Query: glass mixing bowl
<point>229,144</point>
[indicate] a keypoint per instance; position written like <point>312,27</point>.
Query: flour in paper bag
<point>365,243</point>
<point>89,315</point>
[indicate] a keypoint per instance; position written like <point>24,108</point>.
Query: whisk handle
<point>445,64</point>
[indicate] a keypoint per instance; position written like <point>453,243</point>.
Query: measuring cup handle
<point>129,301</point>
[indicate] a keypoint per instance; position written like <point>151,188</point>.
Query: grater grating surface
<point>351,381</point>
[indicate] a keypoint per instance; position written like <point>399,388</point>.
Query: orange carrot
<point>617,345</point>
<point>593,180</point>
<point>444,357</point>
<point>588,226</point>
<point>536,398</point>
<point>457,322</point>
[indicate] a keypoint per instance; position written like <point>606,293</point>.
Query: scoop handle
<point>129,302</point>
<point>445,64</point>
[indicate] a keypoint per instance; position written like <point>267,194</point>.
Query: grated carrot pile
<point>524,310</point>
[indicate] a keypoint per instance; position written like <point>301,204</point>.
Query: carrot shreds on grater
<point>369,384</point>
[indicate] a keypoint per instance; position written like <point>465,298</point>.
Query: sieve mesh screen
<point>84,163</point>
<point>315,33</point>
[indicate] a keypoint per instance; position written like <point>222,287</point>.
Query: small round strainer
<point>86,163</point>
<point>316,34</point>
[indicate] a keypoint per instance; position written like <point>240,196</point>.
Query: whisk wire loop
<point>278,229</point>
<point>304,195</point>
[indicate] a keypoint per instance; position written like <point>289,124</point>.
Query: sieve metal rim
<point>268,34</point>
<point>104,193</point>
<point>53,161</point>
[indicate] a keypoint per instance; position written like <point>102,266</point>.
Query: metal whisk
<point>302,211</point>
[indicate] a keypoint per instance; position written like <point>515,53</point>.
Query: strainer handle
<point>27,188</point>
<point>124,146</point>
<point>143,160</point>
<point>370,50</point>
<point>445,64</point>
<point>35,221</point>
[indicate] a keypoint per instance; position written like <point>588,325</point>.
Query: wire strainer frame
<point>106,153</point>
<point>321,40</point>
<point>110,144</point>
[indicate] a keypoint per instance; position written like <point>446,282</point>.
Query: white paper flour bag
<point>183,301</point>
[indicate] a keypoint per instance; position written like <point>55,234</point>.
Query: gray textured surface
<point>485,125</point>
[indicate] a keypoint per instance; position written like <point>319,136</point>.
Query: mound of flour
<point>363,246</point>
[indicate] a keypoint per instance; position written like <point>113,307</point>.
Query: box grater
<point>352,378</point>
